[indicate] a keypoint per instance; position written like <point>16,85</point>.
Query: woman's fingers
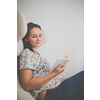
<point>60,65</point>
<point>64,66</point>
<point>60,68</point>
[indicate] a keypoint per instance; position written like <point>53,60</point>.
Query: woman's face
<point>34,37</point>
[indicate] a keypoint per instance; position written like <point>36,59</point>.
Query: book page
<point>64,61</point>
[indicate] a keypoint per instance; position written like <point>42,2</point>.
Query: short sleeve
<point>27,61</point>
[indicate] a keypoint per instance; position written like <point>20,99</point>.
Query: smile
<point>37,42</point>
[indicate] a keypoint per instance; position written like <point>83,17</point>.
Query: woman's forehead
<point>35,30</point>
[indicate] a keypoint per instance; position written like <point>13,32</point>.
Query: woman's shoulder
<point>27,52</point>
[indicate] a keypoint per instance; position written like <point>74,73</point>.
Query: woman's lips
<point>37,42</point>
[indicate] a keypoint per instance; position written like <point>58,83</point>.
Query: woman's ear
<point>25,39</point>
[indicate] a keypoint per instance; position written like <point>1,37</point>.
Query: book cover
<point>61,60</point>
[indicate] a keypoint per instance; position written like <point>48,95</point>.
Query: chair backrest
<point>21,31</point>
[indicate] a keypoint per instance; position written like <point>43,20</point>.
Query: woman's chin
<point>37,45</point>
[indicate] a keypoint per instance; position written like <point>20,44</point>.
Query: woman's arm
<point>29,83</point>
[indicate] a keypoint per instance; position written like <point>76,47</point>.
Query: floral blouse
<point>40,67</point>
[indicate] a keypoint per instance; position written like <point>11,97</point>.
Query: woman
<point>34,74</point>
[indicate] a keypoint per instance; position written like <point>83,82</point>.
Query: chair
<point>21,31</point>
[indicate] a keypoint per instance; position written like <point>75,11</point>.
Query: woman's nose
<point>38,38</point>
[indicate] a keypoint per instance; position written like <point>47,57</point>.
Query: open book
<point>61,60</point>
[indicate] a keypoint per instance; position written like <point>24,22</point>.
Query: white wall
<point>63,22</point>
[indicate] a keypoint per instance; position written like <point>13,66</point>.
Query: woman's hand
<point>59,69</point>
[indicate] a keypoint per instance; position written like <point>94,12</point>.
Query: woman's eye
<point>33,36</point>
<point>40,36</point>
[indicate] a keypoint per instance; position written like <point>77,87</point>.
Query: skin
<point>34,38</point>
<point>29,83</point>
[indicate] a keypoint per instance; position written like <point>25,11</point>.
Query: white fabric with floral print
<point>40,67</point>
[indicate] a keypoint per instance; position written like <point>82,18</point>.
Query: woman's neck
<point>34,49</point>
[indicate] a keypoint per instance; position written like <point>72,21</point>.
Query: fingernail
<point>61,63</point>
